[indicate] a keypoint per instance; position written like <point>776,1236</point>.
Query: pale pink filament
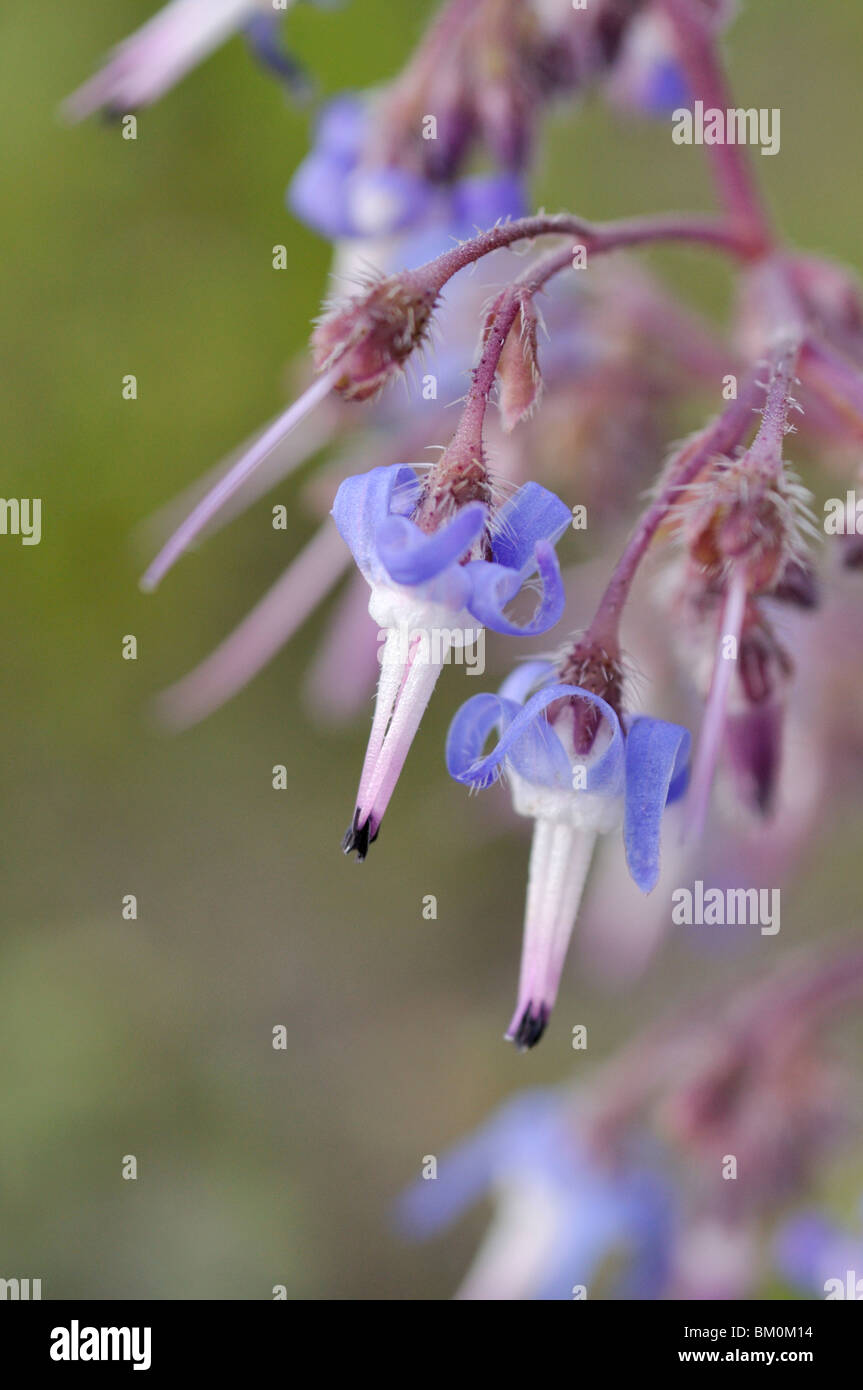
<point>225,488</point>
<point>707,752</point>
<point>261,633</point>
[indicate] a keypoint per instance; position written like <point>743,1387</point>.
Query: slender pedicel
<point>707,753</point>
<point>225,488</point>
<point>270,624</point>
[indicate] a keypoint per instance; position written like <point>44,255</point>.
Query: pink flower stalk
<point>231,482</point>
<point>270,624</point>
<point>707,751</point>
<point>146,65</point>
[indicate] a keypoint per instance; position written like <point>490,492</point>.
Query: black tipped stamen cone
<point>358,837</point>
<point>532,1025</point>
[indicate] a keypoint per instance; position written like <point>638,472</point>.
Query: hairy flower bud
<point>741,516</point>
<point>518,366</point>
<point>588,664</point>
<point>458,478</point>
<point>371,336</point>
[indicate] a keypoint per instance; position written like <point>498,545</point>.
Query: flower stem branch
<point>699,55</point>
<point>722,234</point>
<point>726,432</point>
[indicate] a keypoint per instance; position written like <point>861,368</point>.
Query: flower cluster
<point>569,381</point>
<point>624,1185</point>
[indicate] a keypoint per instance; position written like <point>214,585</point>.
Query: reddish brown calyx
<point>459,477</point>
<point>591,666</point>
<point>743,519</point>
<point>370,337</point>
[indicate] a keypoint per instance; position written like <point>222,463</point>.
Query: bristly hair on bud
<point>739,516</point>
<point>368,338</point>
<point>591,666</point>
<point>458,477</point>
<point>518,373</point>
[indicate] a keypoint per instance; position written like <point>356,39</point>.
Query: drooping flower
<point>744,525</point>
<point>433,591</point>
<point>153,59</point>
<point>560,1210</point>
<point>346,194</point>
<point>630,771</point>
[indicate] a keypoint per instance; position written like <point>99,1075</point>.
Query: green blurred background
<point>153,1037</point>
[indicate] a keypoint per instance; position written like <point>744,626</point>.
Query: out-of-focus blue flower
<point>435,591</point>
<point>648,77</point>
<point>820,1257</point>
<point>341,197</point>
<point>665,88</point>
<point>264,34</point>
<point>630,773</point>
<point>559,1212</point>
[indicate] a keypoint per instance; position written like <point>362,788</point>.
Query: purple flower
<point>342,196</point>
<point>630,775</point>
<point>264,36</point>
<point>435,592</point>
<point>817,1255</point>
<point>648,77</point>
<point>559,1212</point>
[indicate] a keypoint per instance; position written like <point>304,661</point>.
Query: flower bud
<point>741,516</point>
<point>458,478</point>
<point>518,370</point>
<point>589,665</point>
<point>371,336</point>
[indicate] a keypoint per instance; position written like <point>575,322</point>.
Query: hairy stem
<point>470,425</point>
<point>719,233</point>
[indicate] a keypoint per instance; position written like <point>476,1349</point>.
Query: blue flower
<point>819,1256</point>
<point>631,774</point>
<point>435,592</point>
<point>648,76</point>
<point>560,1212</point>
<point>665,88</point>
<point>340,196</point>
<point>265,38</point>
